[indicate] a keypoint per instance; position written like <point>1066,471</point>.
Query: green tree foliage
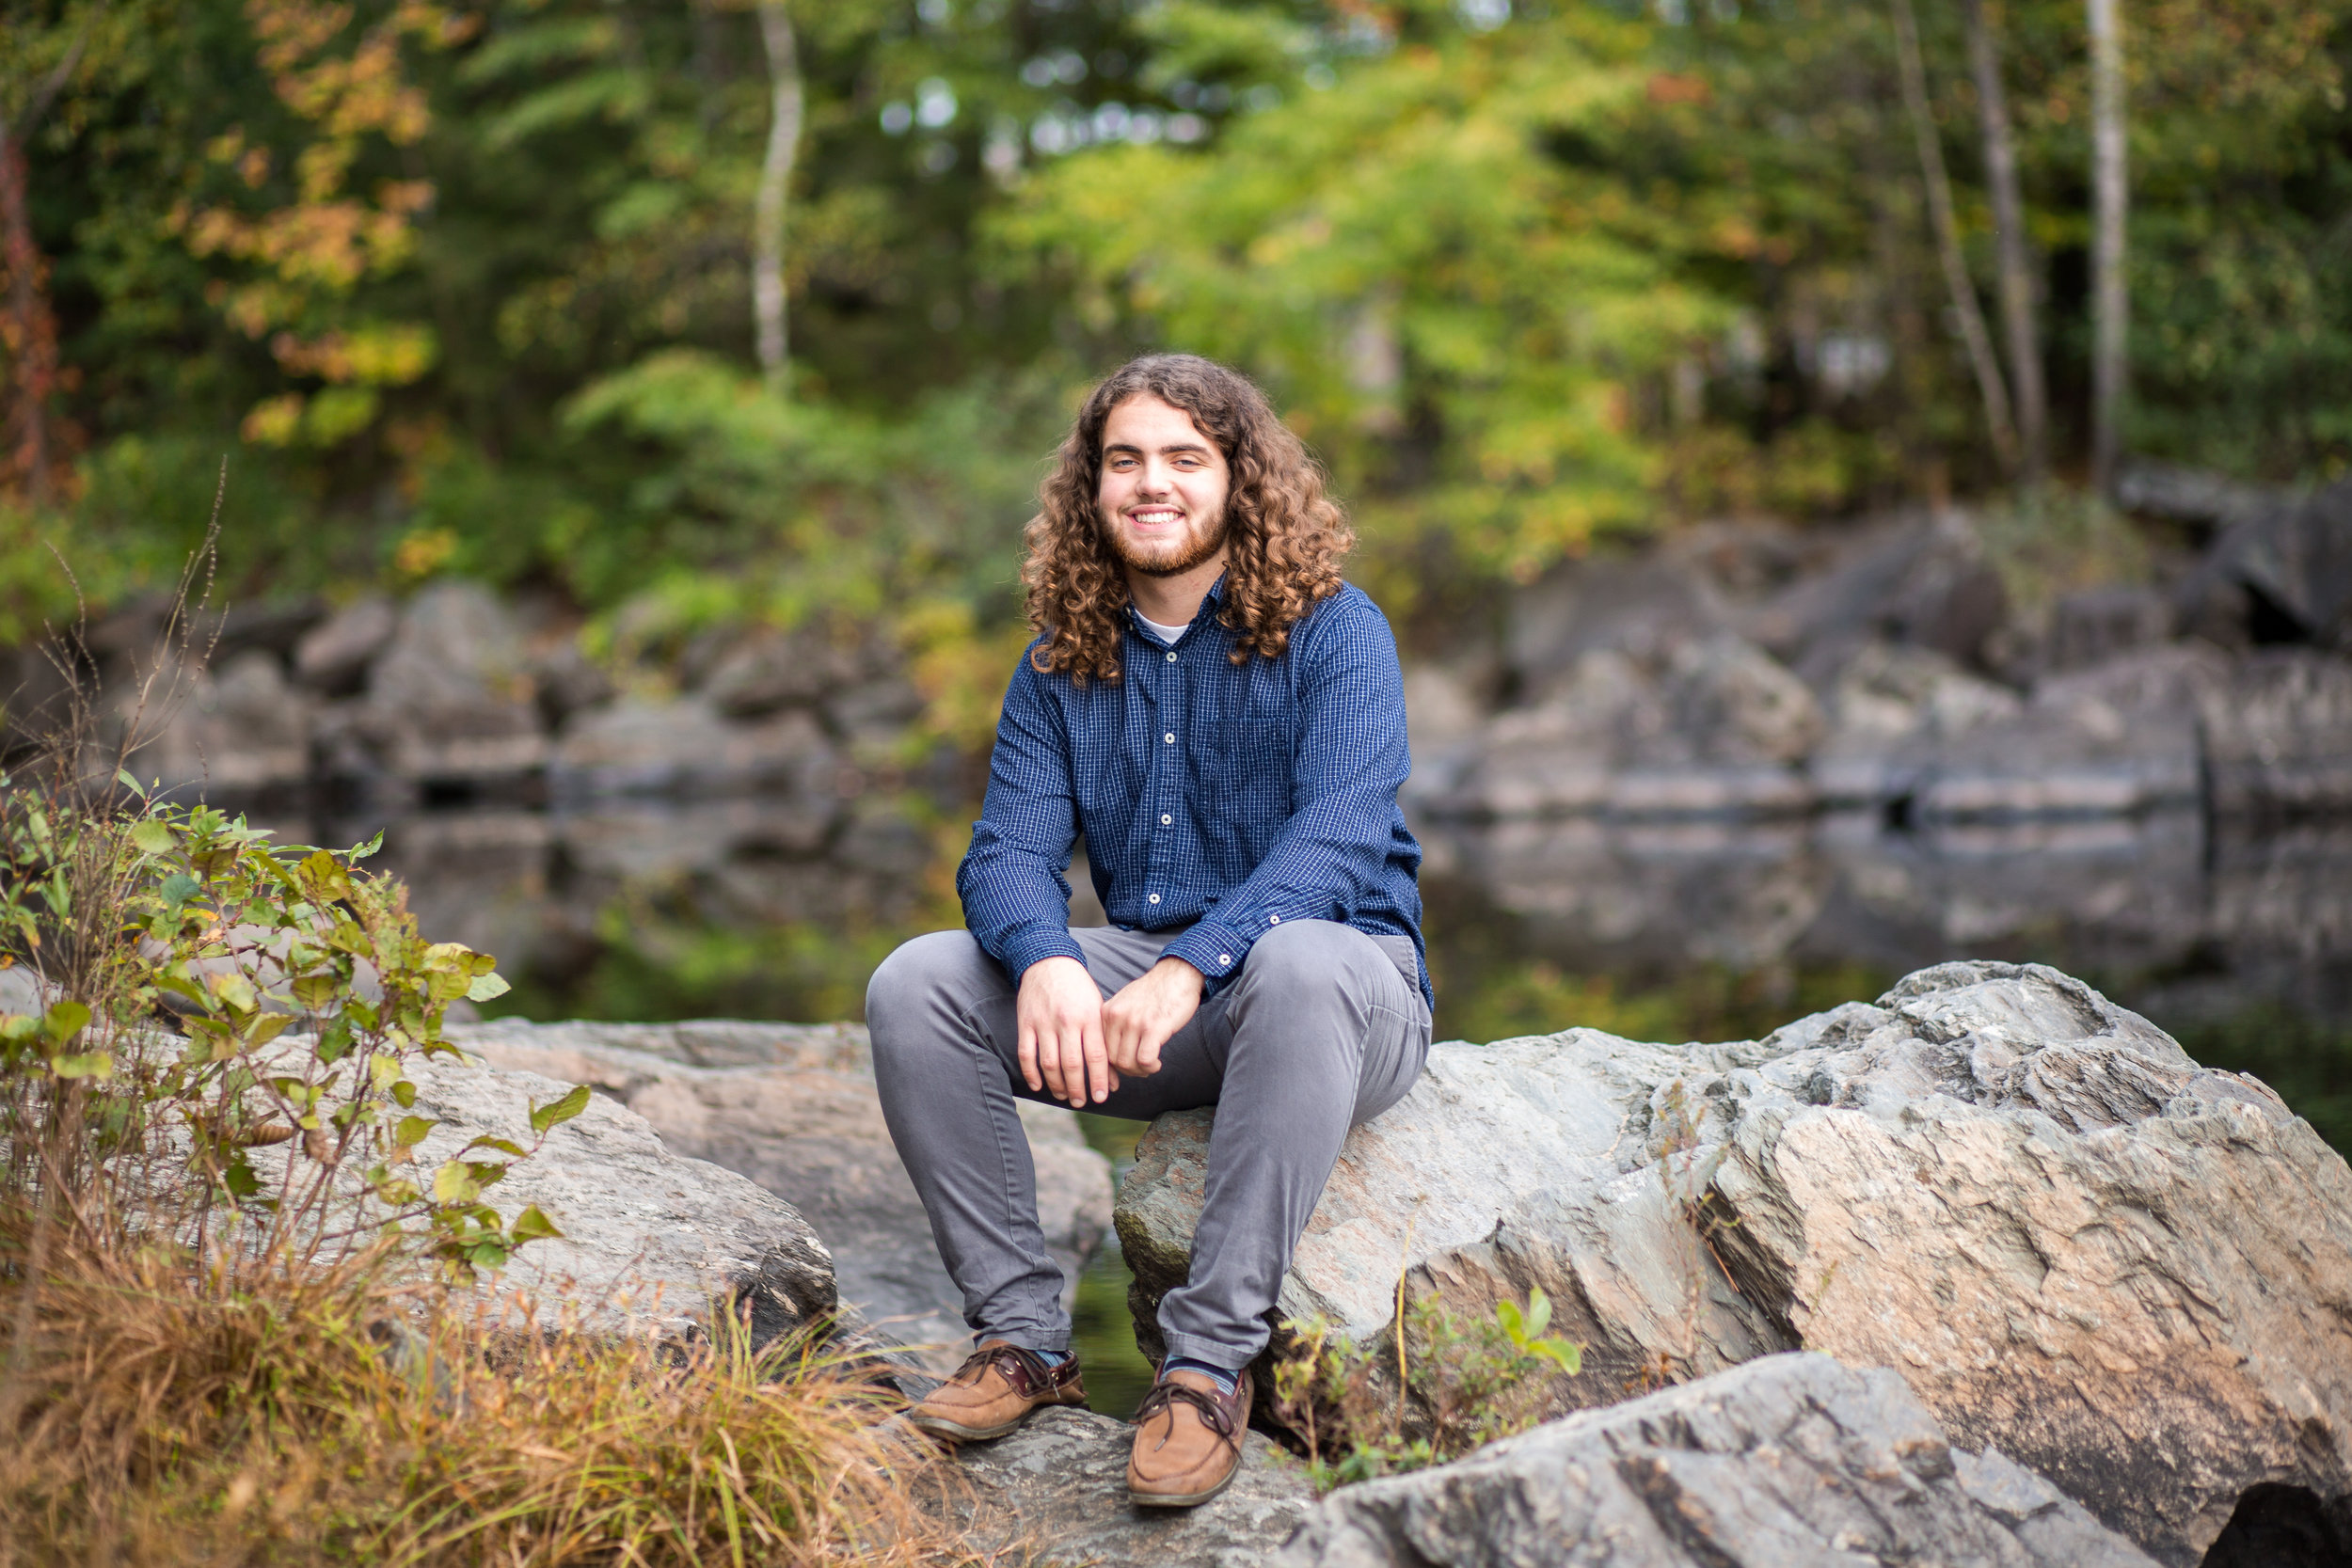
<point>465,285</point>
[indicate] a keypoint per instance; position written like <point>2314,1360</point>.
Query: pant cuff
<point>1027,1335</point>
<point>1225,1358</point>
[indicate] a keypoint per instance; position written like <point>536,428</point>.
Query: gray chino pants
<point>1322,1028</point>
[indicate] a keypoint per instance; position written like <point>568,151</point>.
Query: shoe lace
<point>1023,1371</point>
<point>1165,1395</point>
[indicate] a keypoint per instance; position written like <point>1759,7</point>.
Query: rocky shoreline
<point>1987,1271</point>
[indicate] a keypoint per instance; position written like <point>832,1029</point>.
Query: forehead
<point>1147,424</point>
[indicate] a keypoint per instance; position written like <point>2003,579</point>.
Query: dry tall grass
<point>259,1412</point>
<point>204,1360</point>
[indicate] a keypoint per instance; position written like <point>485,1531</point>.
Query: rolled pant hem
<point>1223,1357</point>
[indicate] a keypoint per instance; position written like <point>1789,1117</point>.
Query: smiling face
<point>1162,489</point>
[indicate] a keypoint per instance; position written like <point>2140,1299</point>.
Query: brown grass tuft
<point>256,1413</point>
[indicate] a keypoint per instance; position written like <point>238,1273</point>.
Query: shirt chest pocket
<point>1246,774</point>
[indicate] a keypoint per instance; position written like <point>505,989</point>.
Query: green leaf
<point>532,1225</point>
<point>96,1064</point>
<point>64,1021</point>
<point>561,1111</point>
<point>179,888</point>
<point>124,777</point>
<point>1539,1311</point>
<point>150,837</point>
<point>501,1145</point>
<point>487,987</point>
<point>410,1131</point>
<point>454,1183</point>
<point>405,1093</point>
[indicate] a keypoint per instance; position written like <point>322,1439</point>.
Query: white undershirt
<point>1166,634</point>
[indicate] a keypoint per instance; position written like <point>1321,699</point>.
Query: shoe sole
<point>1182,1499</point>
<point>956,1432</point>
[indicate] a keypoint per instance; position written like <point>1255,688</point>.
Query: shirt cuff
<point>1217,951</point>
<point>1030,944</point>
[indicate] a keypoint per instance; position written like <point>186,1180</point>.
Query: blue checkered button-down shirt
<point>1220,797</point>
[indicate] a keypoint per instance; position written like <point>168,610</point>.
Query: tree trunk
<point>1966,311</point>
<point>2110,190</point>
<point>775,181</point>
<point>2008,221</point>
<point>32,332</point>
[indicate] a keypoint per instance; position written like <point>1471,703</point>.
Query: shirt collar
<point>1214,600</point>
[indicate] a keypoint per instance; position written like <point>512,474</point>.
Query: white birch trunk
<point>775,181</point>
<point>2110,193</point>
<point>1968,313</point>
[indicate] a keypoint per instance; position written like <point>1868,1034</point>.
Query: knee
<point>915,979</point>
<point>1306,952</point>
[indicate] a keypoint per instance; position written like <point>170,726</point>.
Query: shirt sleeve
<point>1016,900</point>
<point>1352,758</point>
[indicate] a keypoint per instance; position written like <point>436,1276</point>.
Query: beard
<point>1172,559</point>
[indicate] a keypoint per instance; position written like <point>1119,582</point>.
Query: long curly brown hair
<point>1285,536</point>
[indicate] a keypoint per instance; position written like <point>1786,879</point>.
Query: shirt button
<point>1170,737</point>
<point>1274,920</point>
<point>1166,819</point>
<point>1172,656</point>
<point>1156,899</point>
<point>1225,958</point>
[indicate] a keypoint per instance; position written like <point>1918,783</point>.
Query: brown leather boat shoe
<point>1188,1440</point>
<point>993,1392</point>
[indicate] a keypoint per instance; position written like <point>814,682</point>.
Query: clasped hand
<point>1077,1045</point>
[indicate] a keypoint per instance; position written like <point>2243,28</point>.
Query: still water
<point>2236,940</point>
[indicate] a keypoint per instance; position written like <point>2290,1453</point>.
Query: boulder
<point>451,699</point>
<point>229,733</point>
<point>1707,726</point>
<point>2293,563</point>
<point>1792,1459</point>
<point>1056,1491</point>
<point>2278,734</point>
<point>1641,608</point>
<point>1919,582</point>
<point>793,1108</point>
<point>2129,1272</point>
<point>765,670</point>
<point>685,746</point>
<point>651,1237</point>
<point>332,657</point>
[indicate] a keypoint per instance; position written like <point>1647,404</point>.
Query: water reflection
<point>652,910</point>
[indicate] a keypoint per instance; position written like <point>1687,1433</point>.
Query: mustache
<point>1193,552</point>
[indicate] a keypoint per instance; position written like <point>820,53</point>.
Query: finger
<point>1098,1064</point>
<point>1049,1056</point>
<point>1028,1058</point>
<point>1073,1068</point>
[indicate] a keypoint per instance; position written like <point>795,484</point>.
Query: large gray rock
<point>1790,1460</point>
<point>685,747</point>
<point>792,1107</point>
<point>1700,726</point>
<point>451,697</point>
<point>2130,1273</point>
<point>1059,1485</point>
<point>2278,734</point>
<point>1921,583</point>
<point>2292,561</point>
<point>228,732</point>
<point>1915,731</point>
<point>652,1239</point>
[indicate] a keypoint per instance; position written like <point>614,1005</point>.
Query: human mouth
<point>1155,516</point>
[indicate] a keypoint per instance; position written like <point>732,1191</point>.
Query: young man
<point>1223,719</point>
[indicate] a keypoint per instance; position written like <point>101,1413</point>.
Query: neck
<point>1174,601</point>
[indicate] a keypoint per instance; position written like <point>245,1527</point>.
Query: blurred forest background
<point>720,319</point>
<point>470,288</point>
